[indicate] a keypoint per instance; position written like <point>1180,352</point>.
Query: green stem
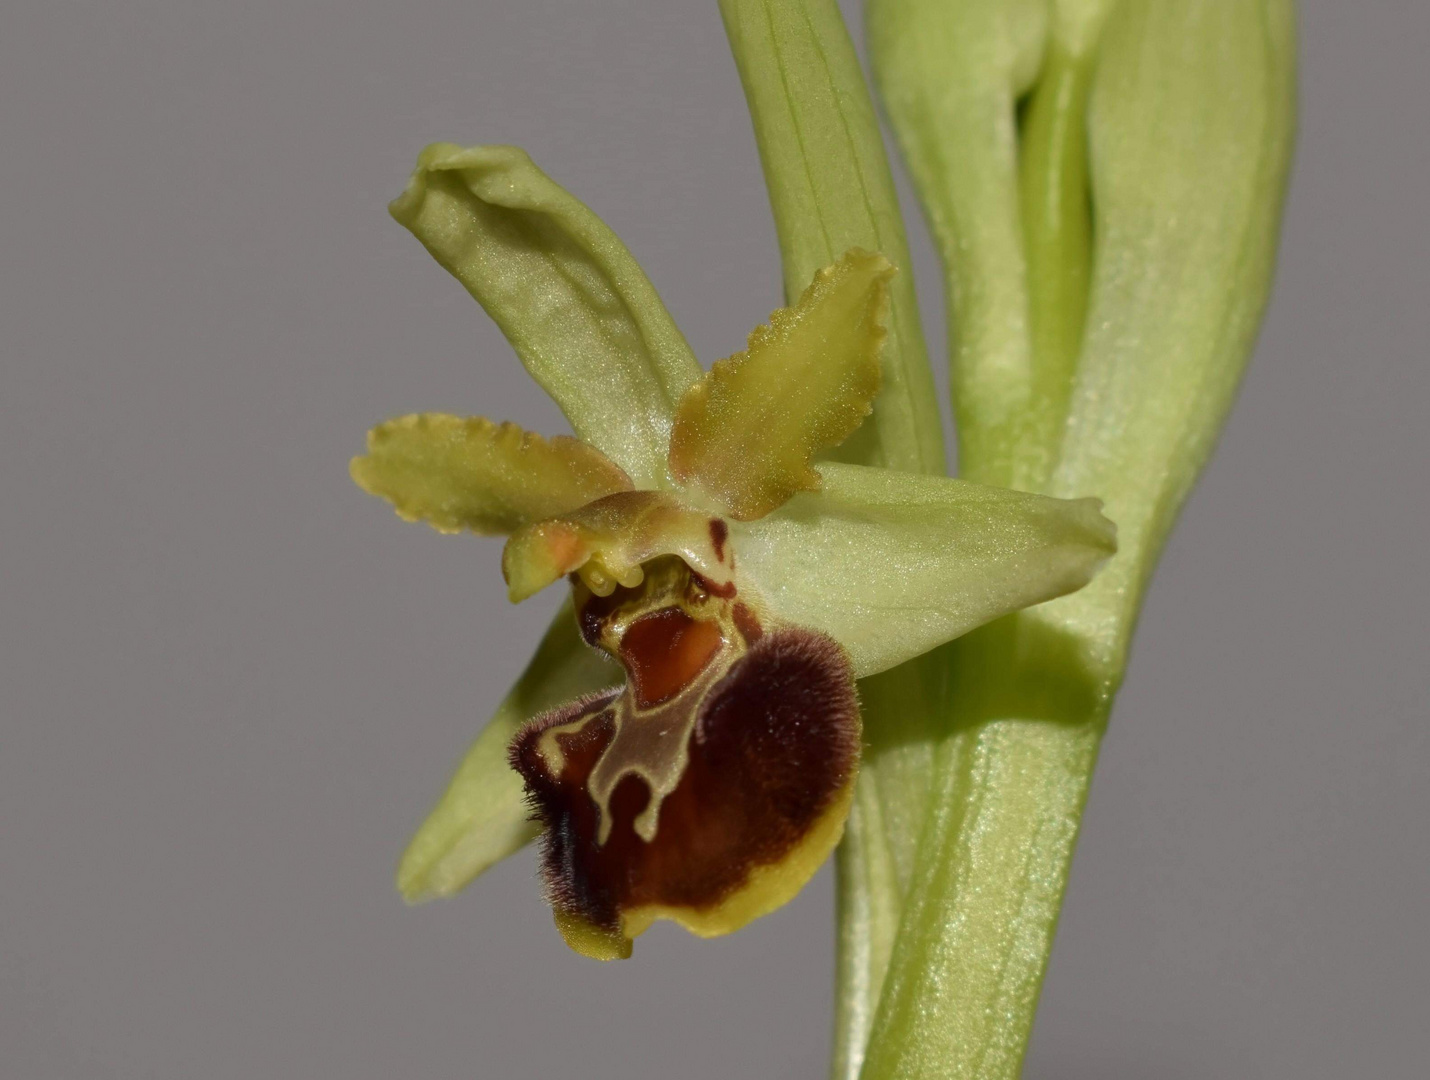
<point>902,716</point>
<point>982,918</point>
<point>978,921</point>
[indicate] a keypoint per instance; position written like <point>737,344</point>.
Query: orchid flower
<point>741,583</point>
<point>765,560</point>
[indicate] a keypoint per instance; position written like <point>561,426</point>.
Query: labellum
<point>713,785</point>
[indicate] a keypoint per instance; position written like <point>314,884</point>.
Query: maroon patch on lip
<point>560,801</point>
<point>719,532</point>
<point>776,740</point>
<point>665,650</point>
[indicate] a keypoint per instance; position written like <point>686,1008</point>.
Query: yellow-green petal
<point>746,433</point>
<point>892,564</point>
<point>467,473</point>
<point>568,295</point>
<point>483,817</point>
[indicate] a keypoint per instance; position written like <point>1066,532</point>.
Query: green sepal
<point>482,817</point>
<point>568,295</point>
<point>892,564</point>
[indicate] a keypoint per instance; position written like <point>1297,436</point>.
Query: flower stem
<point>978,922</point>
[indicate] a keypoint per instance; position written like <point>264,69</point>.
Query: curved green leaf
<point>1192,107</point>
<point>1190,122</point>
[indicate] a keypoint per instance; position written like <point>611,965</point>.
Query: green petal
<point>467,473</point>
<point>570,298</point>
<point>483,817</point>
<point>892,565</point>
<point>746,432</point>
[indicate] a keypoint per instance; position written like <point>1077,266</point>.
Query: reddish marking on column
<point>719,532</point>
<point>724,592</point>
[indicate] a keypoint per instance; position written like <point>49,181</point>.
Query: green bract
<point>830,190</point>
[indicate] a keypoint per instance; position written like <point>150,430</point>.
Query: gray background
<point>232,684</point>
